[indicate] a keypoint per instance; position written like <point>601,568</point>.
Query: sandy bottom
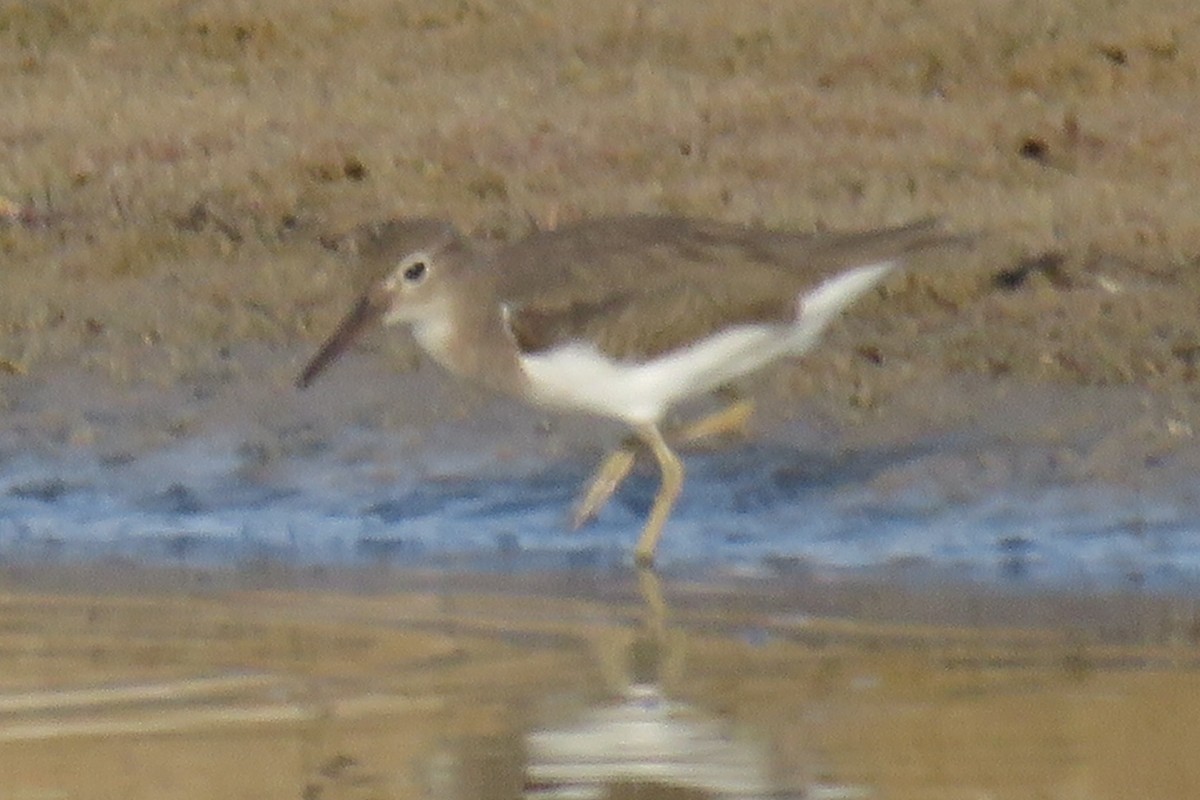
<point>126,682</point>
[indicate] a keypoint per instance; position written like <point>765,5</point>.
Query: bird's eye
<point>414,272</point>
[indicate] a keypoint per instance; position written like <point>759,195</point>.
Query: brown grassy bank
<point>169,167</point>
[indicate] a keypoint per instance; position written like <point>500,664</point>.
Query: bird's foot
<point>644,559</point>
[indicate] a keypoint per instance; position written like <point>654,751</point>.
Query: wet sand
<point>383,683</point>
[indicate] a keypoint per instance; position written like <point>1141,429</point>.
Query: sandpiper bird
<point>621,317</point>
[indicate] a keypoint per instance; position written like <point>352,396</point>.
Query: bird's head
<point>410,265</point>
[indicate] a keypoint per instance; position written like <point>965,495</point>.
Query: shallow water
<point>123,681</point>
<point>404,470</point>
<point>222,594</point>
<point>755,507</point>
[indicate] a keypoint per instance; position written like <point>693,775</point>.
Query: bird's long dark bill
<point>363,313</point>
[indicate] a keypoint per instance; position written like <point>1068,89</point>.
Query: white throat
<point>434,337</point>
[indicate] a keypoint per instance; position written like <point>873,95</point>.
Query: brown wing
<point>640,286</point>
<point>641,324</point>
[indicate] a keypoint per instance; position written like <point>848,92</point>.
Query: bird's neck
<point>470,340</point>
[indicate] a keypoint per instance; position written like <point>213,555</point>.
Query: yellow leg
<point>668,492</point>
<point>617,465</point>
<point>734,418</point>
<point>607,477</point>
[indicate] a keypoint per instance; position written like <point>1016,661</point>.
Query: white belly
<point>578,376</point>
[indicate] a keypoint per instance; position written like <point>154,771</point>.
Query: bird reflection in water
<point>646,744</point>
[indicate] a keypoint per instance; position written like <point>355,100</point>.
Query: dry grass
<point>169,166</point>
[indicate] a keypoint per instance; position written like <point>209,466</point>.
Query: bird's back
<point>642,285</point>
